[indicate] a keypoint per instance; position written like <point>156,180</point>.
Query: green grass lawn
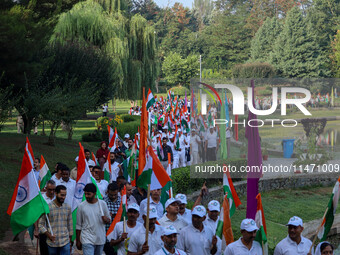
<point>11,147</point>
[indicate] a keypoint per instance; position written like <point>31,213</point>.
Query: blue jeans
<point>65,250</point>
<point>91,249</point>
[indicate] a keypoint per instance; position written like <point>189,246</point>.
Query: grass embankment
<point>12,148</point>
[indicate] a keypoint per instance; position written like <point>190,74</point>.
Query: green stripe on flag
<point>219,229</point>
<point>144,179</point>
<point>28,214</point>
<point>46,178</point>
<point>165,193</point>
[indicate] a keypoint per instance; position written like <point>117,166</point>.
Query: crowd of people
<point>173,228</point>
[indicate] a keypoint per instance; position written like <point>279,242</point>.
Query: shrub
<point>130,128</point>
<point>180,90</point>
<point>129,118</point>
<point>265,92</point>
<point>253,70</point>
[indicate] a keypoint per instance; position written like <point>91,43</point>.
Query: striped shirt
<point>61,224</point>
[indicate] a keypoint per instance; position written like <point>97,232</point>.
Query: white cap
<point>182,198</point>
<point>91,162</point>
<point>179,130</point>
<point>214,205</point>
<point>249,225</point>
<point>170,201</point>
<point>199,210</point>
<point>169,230</point>
<point>165,127</point>
<point>160,131</point>
<point>76,159</point>
<point>184,132</point>
<point>152,212</point>
<point>295,221</point>
<point>133,206</point>
<point>171,136</point>
<point>126,136</point>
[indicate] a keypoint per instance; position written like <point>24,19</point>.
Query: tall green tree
<point>262,43</point>
<point>202,10</point>
<point>129,42</point>
<point>296,52</point>
<point>178,70</point>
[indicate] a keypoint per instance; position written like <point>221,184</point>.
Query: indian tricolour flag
<point>328,219</point>
<point>229,189</point>
<point>153,173</point>
<point>112,138</point>
<point>224,224</point>
<point>120,216</point>
<point>27,203</point>
<point>94,159</point>
<point>151,100</point>
<point>167,189</point>
<point>83,177</point>
<point>261,234</point>
<point>44,173</point>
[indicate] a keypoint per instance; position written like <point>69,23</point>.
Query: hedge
<point>129,118</point>
<point>183,183</point>
<point>253,70</point>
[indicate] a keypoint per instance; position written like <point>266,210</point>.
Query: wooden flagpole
<point>147,215</point>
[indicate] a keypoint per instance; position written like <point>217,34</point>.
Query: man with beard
<point>294,243</point>
<point>121,239</point>
<point>169,239</point>
<point>246,243</point>
<point>137,243</point>
<point>60,218</point>
<point>92,215</point>
<point>213,215</point>
<point>155,200</point>
<point>101,184</point>
<point>116,168</point>
<point>166,149</point>
<point>196,238</point>
<point>69,183</point>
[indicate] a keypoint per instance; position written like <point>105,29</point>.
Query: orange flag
<point>227,230</point>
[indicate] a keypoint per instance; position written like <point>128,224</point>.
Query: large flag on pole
<point>27,203</point>
<point>229,189</point>
<point>107,170</point>
<point>153,173</point>
<point>112,138</point>
<point>151,100</point>
<point>254,159</point>
<point>328,219</point>
<point>83,177</point>
<point>121,213</point>
<point>44,173</point>
<point>261,234</point>
<point>224,223</point>
<point>167,189</point>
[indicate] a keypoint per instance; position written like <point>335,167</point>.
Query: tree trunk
<point>70,133</point>
<point>43,129</point>
<point>51,137</point>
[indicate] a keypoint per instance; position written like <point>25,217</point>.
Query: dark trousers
<point>109,250</point>
<point>211,154</point>
<point>43,245</point>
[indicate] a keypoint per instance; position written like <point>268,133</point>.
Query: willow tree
<point>129,42</point>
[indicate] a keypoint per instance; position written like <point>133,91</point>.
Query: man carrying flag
<point>246,243</point>
<point>122,234</point>
<point>27,203</point>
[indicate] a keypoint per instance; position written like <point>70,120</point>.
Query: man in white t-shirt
<point>101,184</point>
<point>155,200</point>
<point>120,238</point>
<point>92,215</point>
<point>184,212</point>
<point>211,144</point>
<point>169,239</point>
<point>196,238</point>
<point>105,110</point>
<point>69,183</point>
<point>171,217</point>
<point>246,243</point>
<point>294,243</point>
<point>195,143</point>
<point>137,243</point>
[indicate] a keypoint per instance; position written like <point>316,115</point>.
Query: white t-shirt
<point>55,179</point>
<point>196,242</point>
<point>89,221</point>
<point>115,171</point>
<point>179,223</point>
<point>47,199</point>
<point>105,108</point>
<point>194,143</point>
<point>70,188</point>
<point>102,186</point>
<point>117,233</point>
<point>187,216</point>
<point>163,251</point>
<point>288,247</point>
<point>237,248</point>
<point>211,139</point>
<point>138,239</point>
<point>143,204</point>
